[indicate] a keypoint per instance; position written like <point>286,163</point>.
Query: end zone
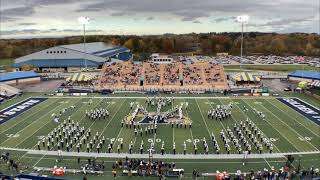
<point>309,111</point>
<point>20,107</point>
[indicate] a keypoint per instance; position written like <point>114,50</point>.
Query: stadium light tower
<point>84,21</point>
<point>243,19</point>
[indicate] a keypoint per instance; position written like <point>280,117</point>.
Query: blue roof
<point>90,47</point>
<point>105,50</point>
<point>306,74</point>
<point>125,56</point>
<point>17,75</point>
<point>111,52</point>
<point>55,63</point>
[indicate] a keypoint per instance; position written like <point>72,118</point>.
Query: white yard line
<point>15,104</point>
<point>250,119</point>
<point>191,135</point>
<point>111,120</point>
<point>40,109</point>
<point>173,127</point>
<point>285,113</point>
<point>287,125</point>
<point>305,102</point>
<point>154,139</point>
<point>134,141</point>
<point>40,127</point>
<point>83,117</point>
<point>116,140</point>
<point>203,118</point>
<point>256,125</point>
<point>173,135</point>
<point>267,163</point>
<point>277,130</point>
<point>32,124</point>
<point>225,128</point>
<point>40,159</point>
<point>187,113</point>
<point>52,147</point>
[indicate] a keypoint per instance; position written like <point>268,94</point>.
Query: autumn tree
<point>167,45</point>
<point>128,44</point>
<point>277,46</point>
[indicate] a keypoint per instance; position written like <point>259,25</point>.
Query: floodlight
<point>84,20</point>
<point>243,19</point>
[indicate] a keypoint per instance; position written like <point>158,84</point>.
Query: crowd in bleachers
<point>152,73</point>
<point>192,75</point>
<point>130,73</point>
<point>111,73</point>
<point>171,74</point>
<point>212,73</point>
<point>117,73</point>
<point>160,75</point>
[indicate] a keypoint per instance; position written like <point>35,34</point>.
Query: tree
<point>205,46</point>
<point>277,46</point>
<point>6,51</point>
<point>167,46</point>
<point>115,41</point>
<point>129,44</point>
<point>142,46</point>
<point>17,52</point>
<point>309,49</point>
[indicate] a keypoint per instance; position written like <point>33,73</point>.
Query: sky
<point>54,18</point>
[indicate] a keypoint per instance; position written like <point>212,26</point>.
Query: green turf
<point>284,125</point>
<point>6,62</point>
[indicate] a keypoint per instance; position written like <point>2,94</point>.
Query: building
<point>20,77</point>
<point>307,76</point>
<point>157,58</point>
<point>74,57</point>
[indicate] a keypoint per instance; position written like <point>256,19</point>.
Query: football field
<point>286,129</point>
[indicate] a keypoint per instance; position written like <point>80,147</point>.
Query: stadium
<point>180,106</point>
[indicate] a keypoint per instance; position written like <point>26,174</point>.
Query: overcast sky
<point>43,18</point>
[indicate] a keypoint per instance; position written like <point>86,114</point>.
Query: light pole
<point>243,19</point>
<point>84,21</point>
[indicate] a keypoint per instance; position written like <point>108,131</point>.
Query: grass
<point>282,123</point>
<point>6,62</point>
<point>272,67</point>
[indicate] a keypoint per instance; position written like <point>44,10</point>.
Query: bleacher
<point>128,76</point>
<point>7,91</point>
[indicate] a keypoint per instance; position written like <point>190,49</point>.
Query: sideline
<point>159,156</point>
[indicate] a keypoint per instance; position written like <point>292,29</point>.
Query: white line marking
<point>32,124</point>
<point>276,129</point>
<point>287,125</point>
<point>285,113</point>
<point>203,118</point>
